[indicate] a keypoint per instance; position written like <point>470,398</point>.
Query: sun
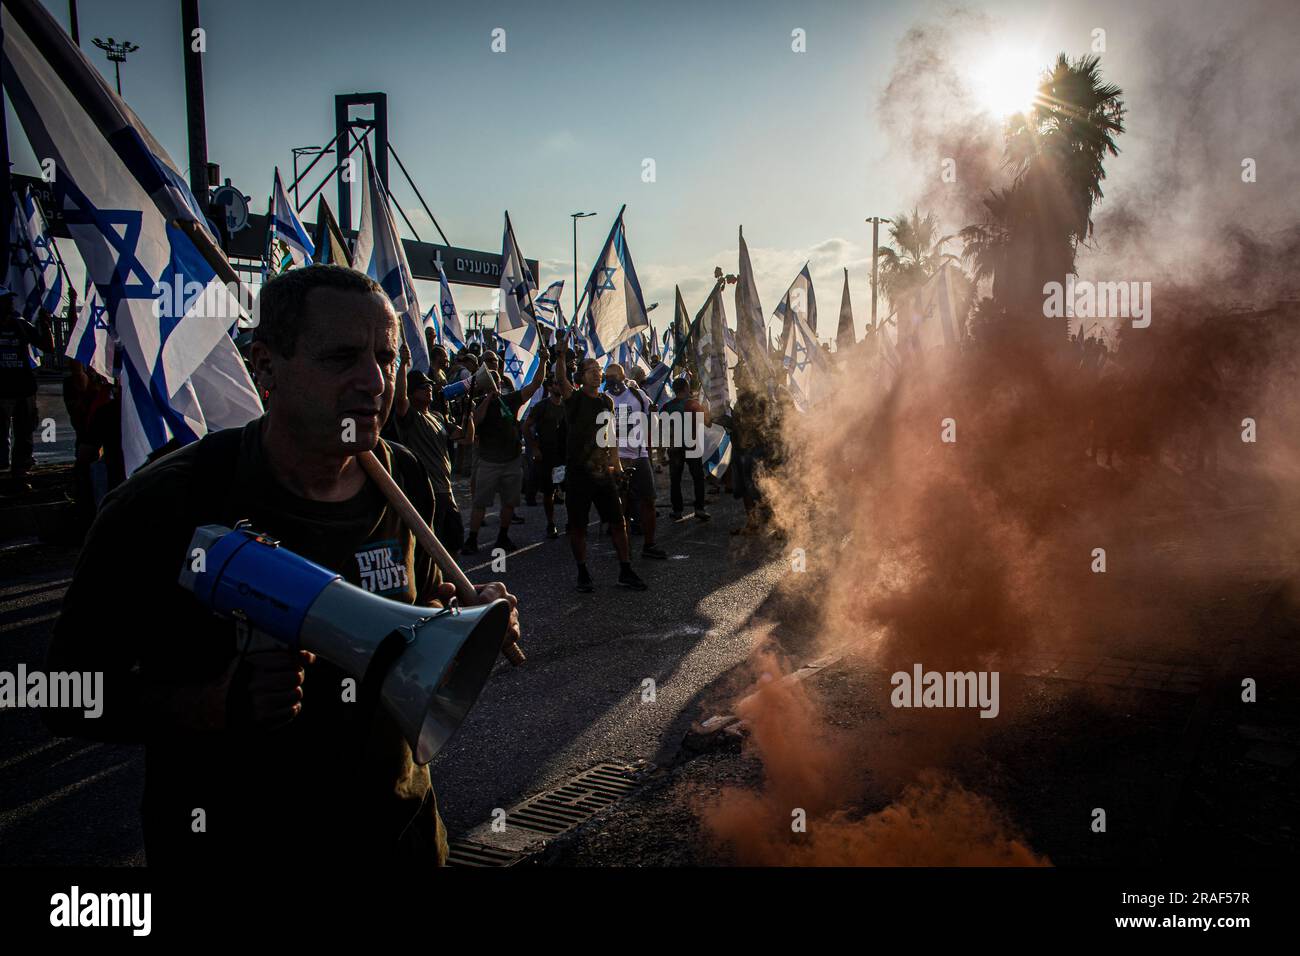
<point>1006,82</point>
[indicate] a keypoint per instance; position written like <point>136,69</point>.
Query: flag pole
<point>466,593</point>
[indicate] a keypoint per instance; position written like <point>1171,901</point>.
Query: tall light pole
<point>575,216</point>
<point>117,55</point>
<point>195,111</point>
<point>875,249</point>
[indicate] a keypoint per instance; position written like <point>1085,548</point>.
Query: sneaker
<point>628,579</point>
<point>650,551</point>
<point>702,515</point>
<point>585,584</point>
<point>552,532</point>
<point>505,544</point>
<point>470,546</point>
<point>676,516</point>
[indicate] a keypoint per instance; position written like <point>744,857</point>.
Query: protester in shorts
<point>498,470</point>
<point>632,416</point>
<point>591,469</point>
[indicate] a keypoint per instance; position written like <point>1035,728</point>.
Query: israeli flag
<point>716,450</point>
<point>657,384</point>
<point>806,364</point>
<point>547,306</point>
<point>669,347</point>
<point>519,364</point>
<point>707,340</point>
<point>731,358</point>
<point>615,308</point>
<point>380,253</point>
<point>797,303</point>
<point>450,330</point>
<point>147,247</point>
<point>751,329</point>
<point>290,245</point>
<point>630,356</point>
<point>34,273</point>
<point>516,322</point>
<point>91,342</point>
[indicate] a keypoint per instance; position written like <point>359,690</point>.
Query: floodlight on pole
<point>116,53</point>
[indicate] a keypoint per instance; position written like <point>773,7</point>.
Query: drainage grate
<point>569,804</point>
<point>536,819</point>
<point>468,853</point>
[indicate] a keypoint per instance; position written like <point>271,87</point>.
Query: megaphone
<point>483,380</point>
<point>425,665</point>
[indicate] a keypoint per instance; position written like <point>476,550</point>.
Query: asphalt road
<point>582,696</point>
<point>578,700</point>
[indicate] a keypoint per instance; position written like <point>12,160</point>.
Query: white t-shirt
<point>638,411</point>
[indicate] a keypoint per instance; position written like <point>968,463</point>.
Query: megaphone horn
<point>426,666</point>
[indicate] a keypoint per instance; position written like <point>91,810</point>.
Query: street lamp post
<point>116,53</point>
<point>575,216</point>
<point>875,248</point>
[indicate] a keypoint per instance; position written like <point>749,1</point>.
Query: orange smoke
<point>796,821</point>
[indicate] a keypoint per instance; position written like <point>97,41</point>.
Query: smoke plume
<point>979,553</point>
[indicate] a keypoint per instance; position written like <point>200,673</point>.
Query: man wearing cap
<point>18,386</point>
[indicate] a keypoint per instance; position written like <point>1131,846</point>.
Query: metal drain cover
<point>536,819</point>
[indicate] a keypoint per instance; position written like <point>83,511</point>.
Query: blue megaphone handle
<point>242,564</point>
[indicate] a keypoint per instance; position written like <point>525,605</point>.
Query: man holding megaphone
<point>257,752</point>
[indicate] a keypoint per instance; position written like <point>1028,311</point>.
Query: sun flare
<point>1006,82</point>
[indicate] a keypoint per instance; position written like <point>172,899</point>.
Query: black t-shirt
<point>311,789</point>
<point>425,434</point>
<point>498,435</point>
<point>580,418</point>
<point>547,421</point>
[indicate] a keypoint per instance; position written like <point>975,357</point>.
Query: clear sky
<point>742,129</point>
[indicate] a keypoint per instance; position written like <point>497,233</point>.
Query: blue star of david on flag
<point>607,280</point>
<point>801,359</point>
<point>97,316</point>
<point>514,366</point>
<point>44,254</point>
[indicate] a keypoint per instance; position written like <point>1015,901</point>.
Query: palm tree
<point>1068,133</point>
<point>1057,150</point>
<point>918,256</point>
<point>985,244</point>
